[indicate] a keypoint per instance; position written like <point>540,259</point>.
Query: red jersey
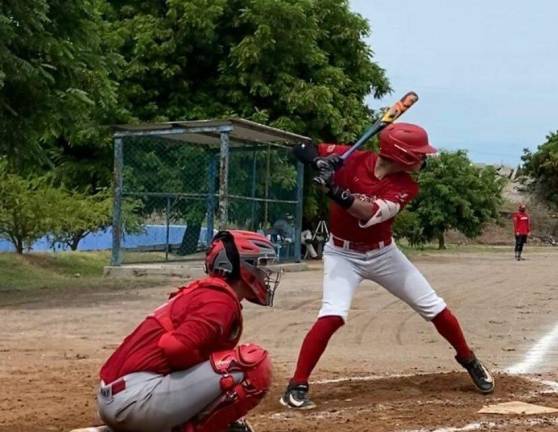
<point>521,225</point>
<point>357,175</point>
<point>204,319</point>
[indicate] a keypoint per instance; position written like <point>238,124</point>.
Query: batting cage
<point>177,183</point>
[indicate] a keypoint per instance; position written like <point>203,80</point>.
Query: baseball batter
<point>182,369</point>
<point>366,192</point>
<point>521,228</point>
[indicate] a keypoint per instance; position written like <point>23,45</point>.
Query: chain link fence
<point>175,188</point>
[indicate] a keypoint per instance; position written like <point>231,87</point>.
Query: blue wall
<point>151,235</point>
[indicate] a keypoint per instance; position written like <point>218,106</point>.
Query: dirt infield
<point>403,375</point>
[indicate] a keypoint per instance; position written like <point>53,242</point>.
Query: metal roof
<point>207,132</point>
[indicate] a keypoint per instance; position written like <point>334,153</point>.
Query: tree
<point>80,215</point>
<point>542,168</point>
<point>55,76</point>
<point>455,194</point>
<point>300,65</point>
<point>28,208</point>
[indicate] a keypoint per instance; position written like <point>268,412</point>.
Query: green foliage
<point>299,65</point>
<point>27,207</point>
<point>455,194</point>
<point>30,208</point>
<point>55,76</point>
<point>542,168</point>
<point>80,215</point>
<point>408,225</point>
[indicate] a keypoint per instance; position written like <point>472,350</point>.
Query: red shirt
<point>357,175</point>
<point>521,224</point>
<point>205,320</point>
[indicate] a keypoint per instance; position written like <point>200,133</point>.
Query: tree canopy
<point>541,167</point>
<point>302,65</point>
<point>55,76</point>
<point>455,194</point>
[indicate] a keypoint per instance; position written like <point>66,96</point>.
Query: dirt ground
<point>386,370</point>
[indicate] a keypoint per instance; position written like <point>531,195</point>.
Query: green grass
<point>59,270</point>
<point>454,248</point>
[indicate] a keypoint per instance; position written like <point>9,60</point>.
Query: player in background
<point>182,369</point>
<point>366,192</point>
<point>521,229</point>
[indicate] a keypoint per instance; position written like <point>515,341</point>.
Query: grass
<point>61,270</point>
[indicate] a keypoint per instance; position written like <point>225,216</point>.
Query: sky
<point>486,72</point>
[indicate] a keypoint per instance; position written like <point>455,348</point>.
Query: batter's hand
<point>332,162</point>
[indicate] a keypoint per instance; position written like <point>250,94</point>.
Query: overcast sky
<point>486,71</point>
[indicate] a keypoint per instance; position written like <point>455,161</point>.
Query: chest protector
<point>163,314</point>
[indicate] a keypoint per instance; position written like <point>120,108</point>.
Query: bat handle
<point>365,137</point>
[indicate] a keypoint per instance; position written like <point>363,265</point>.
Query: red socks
<point>314,346</point>
<point>447,325</point>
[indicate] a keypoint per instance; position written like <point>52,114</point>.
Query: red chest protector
<point>163,314</point>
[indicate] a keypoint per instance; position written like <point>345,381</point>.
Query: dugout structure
<point>176,183</point>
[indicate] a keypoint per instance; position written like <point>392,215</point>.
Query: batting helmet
<point>244,255</point>
<point>405,143</point>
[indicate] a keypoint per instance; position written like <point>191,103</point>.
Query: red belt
<point>358,246</point>
<point>115,386</point>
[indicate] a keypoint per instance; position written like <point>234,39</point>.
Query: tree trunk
<point>189,244</point>
<point>441,241</point>
<point>76,238</point>
<point>19,246</point>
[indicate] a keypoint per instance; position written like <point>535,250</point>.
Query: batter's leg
<point>399,276</point>
<point>341,278</point>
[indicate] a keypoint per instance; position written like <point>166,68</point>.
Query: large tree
<point>302,65</point>
<point>298,64</point>
<point>54,77</point>
<point>541,167</point>
<point>455,194</point>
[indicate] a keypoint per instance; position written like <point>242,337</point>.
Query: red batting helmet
<point>405,143</point>
<point>244,255</point>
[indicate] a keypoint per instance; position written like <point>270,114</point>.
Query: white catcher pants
<point>344,270</point>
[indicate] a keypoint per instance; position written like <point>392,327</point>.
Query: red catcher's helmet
<point>244,255</point>
<point>405,143</point>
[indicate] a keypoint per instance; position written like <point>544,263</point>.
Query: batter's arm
<point>372,213</point>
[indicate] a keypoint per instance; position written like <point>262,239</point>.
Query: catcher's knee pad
<point>237,399</point>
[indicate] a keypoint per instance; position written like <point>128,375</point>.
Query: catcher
<point>182,369</point>
<point>366,192</point>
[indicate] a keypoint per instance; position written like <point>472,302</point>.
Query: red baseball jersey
<point>521,225</point>
<point>205,319</point>
<point>357,175</point>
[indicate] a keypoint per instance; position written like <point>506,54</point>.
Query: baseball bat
<point>392,114</point>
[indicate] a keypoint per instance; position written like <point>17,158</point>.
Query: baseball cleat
<point>241,425</point>
<point>480,375</point>
<point>296,396</point>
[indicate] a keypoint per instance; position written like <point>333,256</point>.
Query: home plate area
<point>419,403</point>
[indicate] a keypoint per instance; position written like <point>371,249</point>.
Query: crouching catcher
<point>182,369</point>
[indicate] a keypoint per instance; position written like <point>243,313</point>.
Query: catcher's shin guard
<point>236,399</point>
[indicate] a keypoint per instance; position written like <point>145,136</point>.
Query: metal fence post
<point>253,226</point>
<point>167,234</point>
<point>224,181</point>
<point>299,210</point>
<point>116,259</point>
<point>211,197</point>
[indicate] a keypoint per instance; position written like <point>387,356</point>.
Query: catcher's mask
<point>245,255</point>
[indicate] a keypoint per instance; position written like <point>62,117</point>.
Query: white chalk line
<point>486,425</point>
<point>536,354</point>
